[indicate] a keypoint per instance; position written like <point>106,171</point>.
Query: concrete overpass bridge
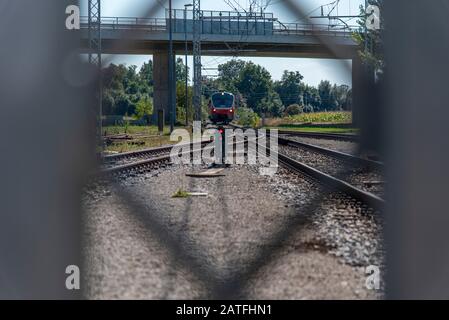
<point>224,33</point>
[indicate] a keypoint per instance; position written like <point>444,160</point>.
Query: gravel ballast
<point>364,178</point>
<point>323,257</point>
<point>337,145</point>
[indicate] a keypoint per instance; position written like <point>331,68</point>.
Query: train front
<point>221,107</point>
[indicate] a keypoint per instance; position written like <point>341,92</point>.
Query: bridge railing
<point>213,25</point>
<point>221,15</point>
<point>116,23</point>
<point>309,29</point>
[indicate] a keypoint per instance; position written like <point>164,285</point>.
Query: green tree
<point>289,88</point>
<point>327,96</point>
<point>255,84</point>
<point>144,109</point>
<point>271,105</point>
<point>146,73</point>
<point>229,73</point>
<point>347,104</point>
<point>122,104</point>
<point>181,102</point>
<point>181,70</point>
<point>311,98</point>
<point>108,102</point>
<point>124,88</point>
<point>341,95</point>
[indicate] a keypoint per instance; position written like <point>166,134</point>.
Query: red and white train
<point>222,107</point>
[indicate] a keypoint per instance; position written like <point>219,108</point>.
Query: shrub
<point>247,117</point>
<point>293,109</point>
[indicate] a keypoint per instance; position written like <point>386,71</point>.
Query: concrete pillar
<point>367,107</point>
<point>357,89</point>
<point>161,85</point>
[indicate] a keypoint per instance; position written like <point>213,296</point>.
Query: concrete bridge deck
<point>121,35</point>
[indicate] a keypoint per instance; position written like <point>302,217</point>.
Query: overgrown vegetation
<point>180,194</point>
<point>336,122</point>
<point>127,90</point>
<point>322,117</point>
<point>247,117</point>
<point>140,137</point>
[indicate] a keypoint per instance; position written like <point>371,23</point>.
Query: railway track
<point>315,135</point>
<point>332,153</point>
<point>343,173</point>
<point>319,135</point>
<point>335,183</point>
<point>127,159</point>
<point>140,160</point>
<point>331,181</point>
<point>339,176</point>
<point>366,175</point>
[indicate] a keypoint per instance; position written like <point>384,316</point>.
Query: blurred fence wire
<point>48,100</point>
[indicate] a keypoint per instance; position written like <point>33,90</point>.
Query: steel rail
<point>143,152</point>
<point>333,153</point>
<point>147,163</point>
<point>366,197</point>
<point>327,180</point>
<point>319,135</point>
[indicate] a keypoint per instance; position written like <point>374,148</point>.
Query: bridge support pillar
<point>357,90</point>
<point>366,104</point>
<point>161,88</point>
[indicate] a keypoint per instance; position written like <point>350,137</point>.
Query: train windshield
<point>223,100</point>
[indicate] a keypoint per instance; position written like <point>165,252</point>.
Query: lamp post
<point>187,67</point>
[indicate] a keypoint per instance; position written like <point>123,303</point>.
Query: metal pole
<point>100,77</point>
<point>187,68</point>
<point>197,59</point>
<point>170,70</point>
<point>94,33</point>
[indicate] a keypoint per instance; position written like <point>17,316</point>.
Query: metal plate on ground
<point>209,173</point>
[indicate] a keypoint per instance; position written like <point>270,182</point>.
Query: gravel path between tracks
<point>364,178</point>
<point>324,257</point>
<point>338,145</point>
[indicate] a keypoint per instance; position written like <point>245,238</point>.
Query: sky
<point>313,70</point>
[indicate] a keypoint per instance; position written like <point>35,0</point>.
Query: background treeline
<point>128,91</point>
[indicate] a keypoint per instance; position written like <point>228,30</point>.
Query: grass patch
<point>143,137</point>
<point>180,194</point>
<point>150,130</point>
<point>322,122</point>
<point>316,118</point>
<point>316,129</point>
